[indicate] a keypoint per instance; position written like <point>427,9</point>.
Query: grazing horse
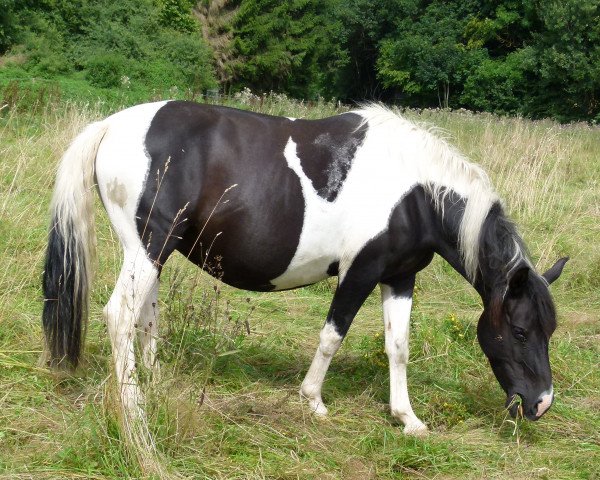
<point>270,203</point>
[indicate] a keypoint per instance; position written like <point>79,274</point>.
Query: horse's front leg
<point>349,296</point>
<point>329,344</point>
<point>397,302</point>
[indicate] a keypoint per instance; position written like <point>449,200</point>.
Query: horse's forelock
<point>537,292</point>
<point>496,310</point>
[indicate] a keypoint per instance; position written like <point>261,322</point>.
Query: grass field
<point>226,404</point>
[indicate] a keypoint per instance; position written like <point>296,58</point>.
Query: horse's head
<point>514,331</point>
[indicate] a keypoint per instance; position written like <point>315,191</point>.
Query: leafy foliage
<point>131,43</point>
<point>176,14</point>
<point>430,56</point>
<point>285,46</point>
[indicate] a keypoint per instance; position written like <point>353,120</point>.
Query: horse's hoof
<point>416,429</point>
<point>318,408</point>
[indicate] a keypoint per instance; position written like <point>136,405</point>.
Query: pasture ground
<point>226,404</point>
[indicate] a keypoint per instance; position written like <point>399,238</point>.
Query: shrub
<point>106,70</point>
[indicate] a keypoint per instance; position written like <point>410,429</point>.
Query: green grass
<point>226,404</point>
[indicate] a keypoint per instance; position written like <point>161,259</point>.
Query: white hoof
<point>418,429</point>
<point>315,403</point>
<point>318,408</point>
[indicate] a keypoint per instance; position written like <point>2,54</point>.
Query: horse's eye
<point>519,334</point>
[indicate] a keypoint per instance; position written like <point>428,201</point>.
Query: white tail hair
<point>73,198</point>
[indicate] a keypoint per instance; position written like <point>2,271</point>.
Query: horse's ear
<point>518,280</point>
<point>554,272</point>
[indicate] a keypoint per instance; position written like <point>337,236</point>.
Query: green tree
<point>285,46</point>
<point>177,14</point>
<point>216,18</point>
<point>364,24</point>
<point>428,56</point>
<point>8,26</point>
<point>500,85</point>
<point>566,70</point>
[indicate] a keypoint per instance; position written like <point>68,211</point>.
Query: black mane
<point>499,242</point>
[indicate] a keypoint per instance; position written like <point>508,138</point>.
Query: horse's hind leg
<point>147,328</point>
<point>135,285</point>
<point>397,302</point>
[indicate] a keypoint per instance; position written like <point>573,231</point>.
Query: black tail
<point>64,304</point>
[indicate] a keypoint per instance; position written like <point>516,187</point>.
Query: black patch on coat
<point>333,269</point>
<point>247,236</point>
<point>414,233</point>
<point>326,149</point>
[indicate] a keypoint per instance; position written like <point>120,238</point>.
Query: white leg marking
<point>147,329</point>
<point>136,281</point>
<point>396,319</point>
<point>311,386</point>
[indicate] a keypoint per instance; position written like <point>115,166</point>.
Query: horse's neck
<point>448,216</point>
<point>500,248</point>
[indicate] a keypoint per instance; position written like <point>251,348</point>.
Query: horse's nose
<point>544,402</point>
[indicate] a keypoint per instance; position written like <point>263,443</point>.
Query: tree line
<point>537,58</point>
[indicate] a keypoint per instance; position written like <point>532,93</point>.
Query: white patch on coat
<point>122,160</point>
<point>337,231</point>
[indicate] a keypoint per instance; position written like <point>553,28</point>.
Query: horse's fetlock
<point>310,390</point>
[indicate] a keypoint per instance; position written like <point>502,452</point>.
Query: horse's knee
<point>397,351</point>
<point>330,340</point>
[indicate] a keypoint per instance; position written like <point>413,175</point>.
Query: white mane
<point>440,168</point>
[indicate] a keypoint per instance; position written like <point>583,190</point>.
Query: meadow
<point>226,404</point>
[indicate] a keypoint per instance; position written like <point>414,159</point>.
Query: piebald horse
<point>273,203</point>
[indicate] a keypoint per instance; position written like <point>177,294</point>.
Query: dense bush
<point>106,70</point>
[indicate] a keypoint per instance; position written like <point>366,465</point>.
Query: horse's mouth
<point>514,404</point>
